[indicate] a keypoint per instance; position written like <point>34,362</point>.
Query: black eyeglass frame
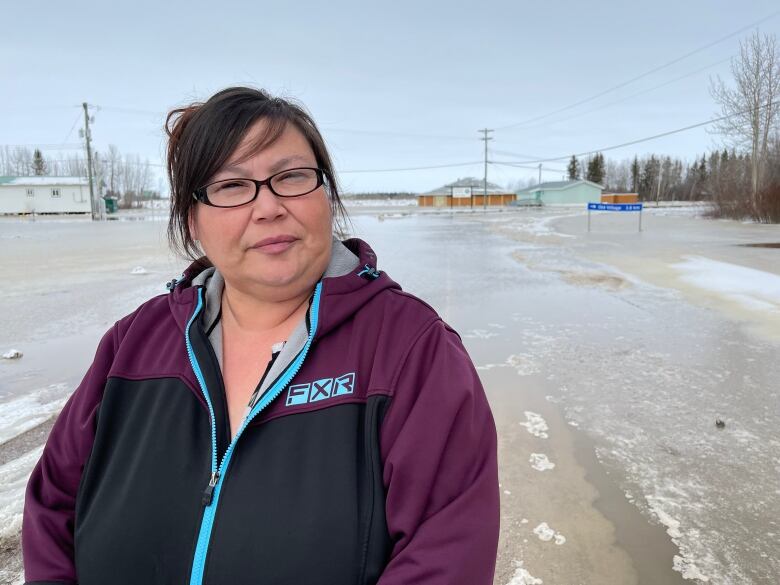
<point>201,196</point>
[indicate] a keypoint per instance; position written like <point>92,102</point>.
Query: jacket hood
<point>351,280</point>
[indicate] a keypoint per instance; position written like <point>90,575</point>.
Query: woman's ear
<point>192,224</point>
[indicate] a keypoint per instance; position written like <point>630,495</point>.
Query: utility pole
<point>540,174</point>
<point>88,138</point>
<point>484,183</point>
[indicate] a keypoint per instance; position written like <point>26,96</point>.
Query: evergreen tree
<point>635,175</point>
<point>39,164</point>
<point>595,172</point>
<point>574,168</point>
<point>703,169</point>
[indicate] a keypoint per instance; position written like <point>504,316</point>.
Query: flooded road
<point>605,378</point>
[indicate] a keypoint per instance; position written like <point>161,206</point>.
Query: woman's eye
<point>231,185</point>
<point>291,176</point>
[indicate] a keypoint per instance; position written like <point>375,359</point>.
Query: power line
<point>140,112</point>
<point>632,96</point>
<point>509,153</point>
<point>466,164</point>
<point>399,134</point>
<point>642,75</point>
<point>505,163</point>
<point>648,138</point>
<point>76,121</point>
<point>45,146</point>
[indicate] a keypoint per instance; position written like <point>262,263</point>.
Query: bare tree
<point>753,104</point>
<point>113,170</point>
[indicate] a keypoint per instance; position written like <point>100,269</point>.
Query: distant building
<point>580,191</point>
<point>620,197</point>
<point>44,195</point>
<point>466,192</point>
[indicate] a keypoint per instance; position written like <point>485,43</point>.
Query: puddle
<point>762,245</point>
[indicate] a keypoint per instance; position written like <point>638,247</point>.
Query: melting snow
<point>535,424</point>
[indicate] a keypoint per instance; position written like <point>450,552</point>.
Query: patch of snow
<point>540,462</point>
<point>12,354</point>
<point>13,482</point>
<point>139,270</point>
<point>688,569</point>
<point>535,424</point>
<point>480,334</point>
<point>753,289</point>
<point>28,411</point>
<point>523,577</point>
<point>546,534</point>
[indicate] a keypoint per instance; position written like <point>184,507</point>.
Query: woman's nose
<point>267,205</point>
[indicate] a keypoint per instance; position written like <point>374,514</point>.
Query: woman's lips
<point>275,245</point>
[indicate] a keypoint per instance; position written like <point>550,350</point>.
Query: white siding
<point>72,199</point>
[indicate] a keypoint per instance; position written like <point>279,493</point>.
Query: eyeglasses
<point>235,192</point>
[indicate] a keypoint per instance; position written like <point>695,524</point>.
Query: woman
<point>366,453</point>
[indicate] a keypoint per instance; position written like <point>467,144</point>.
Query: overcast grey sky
<point>404,84</point>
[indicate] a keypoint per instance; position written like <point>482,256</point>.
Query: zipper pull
<point>208,493</point>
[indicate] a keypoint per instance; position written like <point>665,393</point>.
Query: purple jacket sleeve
<point>440,468</point>
<point>50,499</point>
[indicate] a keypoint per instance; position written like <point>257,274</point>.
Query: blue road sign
<point>614,207</point>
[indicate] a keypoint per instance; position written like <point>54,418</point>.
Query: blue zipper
<point>218,473</point>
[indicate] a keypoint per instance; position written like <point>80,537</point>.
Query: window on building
<point>31,192</point>
<point>55,192</point>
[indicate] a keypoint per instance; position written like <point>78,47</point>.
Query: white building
<point>44,195</point>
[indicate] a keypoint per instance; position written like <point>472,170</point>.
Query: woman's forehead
<point>276,164</point>
<point>273,142</point>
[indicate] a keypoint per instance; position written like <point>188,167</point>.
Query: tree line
<point>718,176</point>
<point>123,176</point>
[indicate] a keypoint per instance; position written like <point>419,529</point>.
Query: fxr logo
<point>320,389</point>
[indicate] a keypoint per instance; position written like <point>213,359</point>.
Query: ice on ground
<point>546,534</point>
<point>535,424</point>
<point>688,569</point>
<point>751,288</point>
<point>479,334</point>
<point>684,563</point>
<point>540,462</point>
<point>30,410</point>
<point>540,226</point>
<point>523,577</point>
<point>12,354</point>
<point>139,270</point>
<point>507,492</point>
<point>13,481</point>
<point>524,364</point>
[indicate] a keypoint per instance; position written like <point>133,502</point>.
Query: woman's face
<point>230,237</point>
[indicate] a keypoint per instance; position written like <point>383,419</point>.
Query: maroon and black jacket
<point>368,455</point>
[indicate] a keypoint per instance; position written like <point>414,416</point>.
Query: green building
<point>562,192</point>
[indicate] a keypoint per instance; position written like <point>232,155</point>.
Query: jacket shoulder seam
<point>412,344</point>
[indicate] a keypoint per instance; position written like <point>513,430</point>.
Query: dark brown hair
<point>202,136</point>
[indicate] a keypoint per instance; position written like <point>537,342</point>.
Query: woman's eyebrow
<point>234,168</point>
<point>277,166</point>
<point>283,162</point>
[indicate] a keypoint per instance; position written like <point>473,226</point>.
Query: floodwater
<point>634,373</point>
<point>640,369</point>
